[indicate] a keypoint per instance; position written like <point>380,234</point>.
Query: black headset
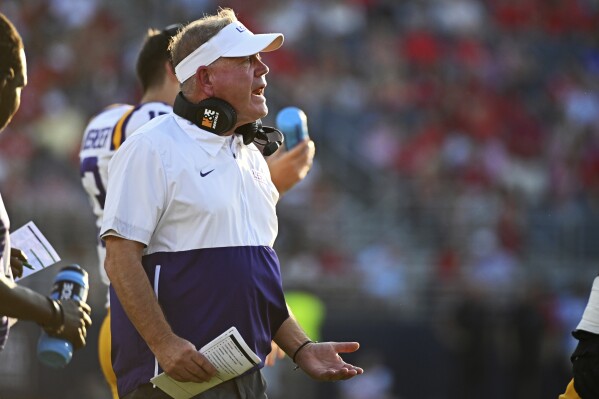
<point>218,116</point>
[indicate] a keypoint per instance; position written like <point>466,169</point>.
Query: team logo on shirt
<point>210,118</point>
<point>258,175</point>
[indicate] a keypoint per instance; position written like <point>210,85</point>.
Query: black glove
<point>585,364</point>
<point>71,320</point>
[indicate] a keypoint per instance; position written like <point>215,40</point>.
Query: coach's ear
<point>5,77</point>
<point>204,79</point>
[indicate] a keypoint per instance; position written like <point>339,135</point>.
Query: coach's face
<point>241,82</point>
<point>12,82</point>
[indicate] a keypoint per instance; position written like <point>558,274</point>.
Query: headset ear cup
<point>216,115</point>
<point>212,114</point>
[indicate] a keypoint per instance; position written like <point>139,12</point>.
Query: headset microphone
<point>270,149</point>
<point>267,137</point>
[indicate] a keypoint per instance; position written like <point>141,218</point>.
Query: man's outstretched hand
<point>322,362</point>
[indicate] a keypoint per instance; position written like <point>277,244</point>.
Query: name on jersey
<point>96,138</point>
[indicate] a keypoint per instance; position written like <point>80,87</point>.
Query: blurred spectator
<point>468,131</point>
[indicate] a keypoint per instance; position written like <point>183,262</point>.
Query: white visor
<point>234,40</point>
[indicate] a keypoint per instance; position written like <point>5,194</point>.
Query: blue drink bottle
<point>70,283</point>
<point>293,123</point>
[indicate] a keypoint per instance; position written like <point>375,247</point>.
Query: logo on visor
<point>240,28</point>
<point>210,118</point>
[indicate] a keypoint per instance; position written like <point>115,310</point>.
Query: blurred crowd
<point>456,181</point>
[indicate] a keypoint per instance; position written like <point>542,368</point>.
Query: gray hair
<point>194,35</point>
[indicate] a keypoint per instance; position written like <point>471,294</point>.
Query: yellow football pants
<point>104,343</point>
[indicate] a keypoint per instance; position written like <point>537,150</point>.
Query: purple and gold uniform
<point>104,134</point>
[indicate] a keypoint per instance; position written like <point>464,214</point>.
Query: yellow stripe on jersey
<point>114,106</point>
<point>570,392</point>
<point>117,134</point>
<point>111,106</point>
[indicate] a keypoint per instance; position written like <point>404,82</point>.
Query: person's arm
<point>178,357</point>
<point>67,319</point>
<point>24,304</point>
<point>584,358</point>
<point>287,168</point>
<point>320,360</point>
<point>276,353</point>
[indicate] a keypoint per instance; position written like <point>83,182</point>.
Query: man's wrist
<point>56,324</point>
<point>299,349</point>
<point>158,340</point>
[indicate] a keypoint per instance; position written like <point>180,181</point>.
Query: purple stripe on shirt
<point>4,324</point>
<point>4,329</point>
<point>204,292</point>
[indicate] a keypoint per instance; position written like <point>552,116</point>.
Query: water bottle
<point>293,123</point>
<point>70,283</point>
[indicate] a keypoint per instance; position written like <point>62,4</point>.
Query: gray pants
<point>251,386</point>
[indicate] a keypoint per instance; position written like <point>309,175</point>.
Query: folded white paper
<point>40,253</point>
<point>228,353</point>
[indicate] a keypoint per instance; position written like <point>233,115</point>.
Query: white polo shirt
<point>166,166</point>
<point>204,206</point>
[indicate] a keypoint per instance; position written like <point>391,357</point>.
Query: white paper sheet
<point>228,353</point>
<point>40,253</point>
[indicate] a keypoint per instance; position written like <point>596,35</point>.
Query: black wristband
<point>56,326</point>
<point>300,348</point>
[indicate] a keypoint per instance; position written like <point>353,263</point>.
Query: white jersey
<point>6,271</point>
<point>104,135</point>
